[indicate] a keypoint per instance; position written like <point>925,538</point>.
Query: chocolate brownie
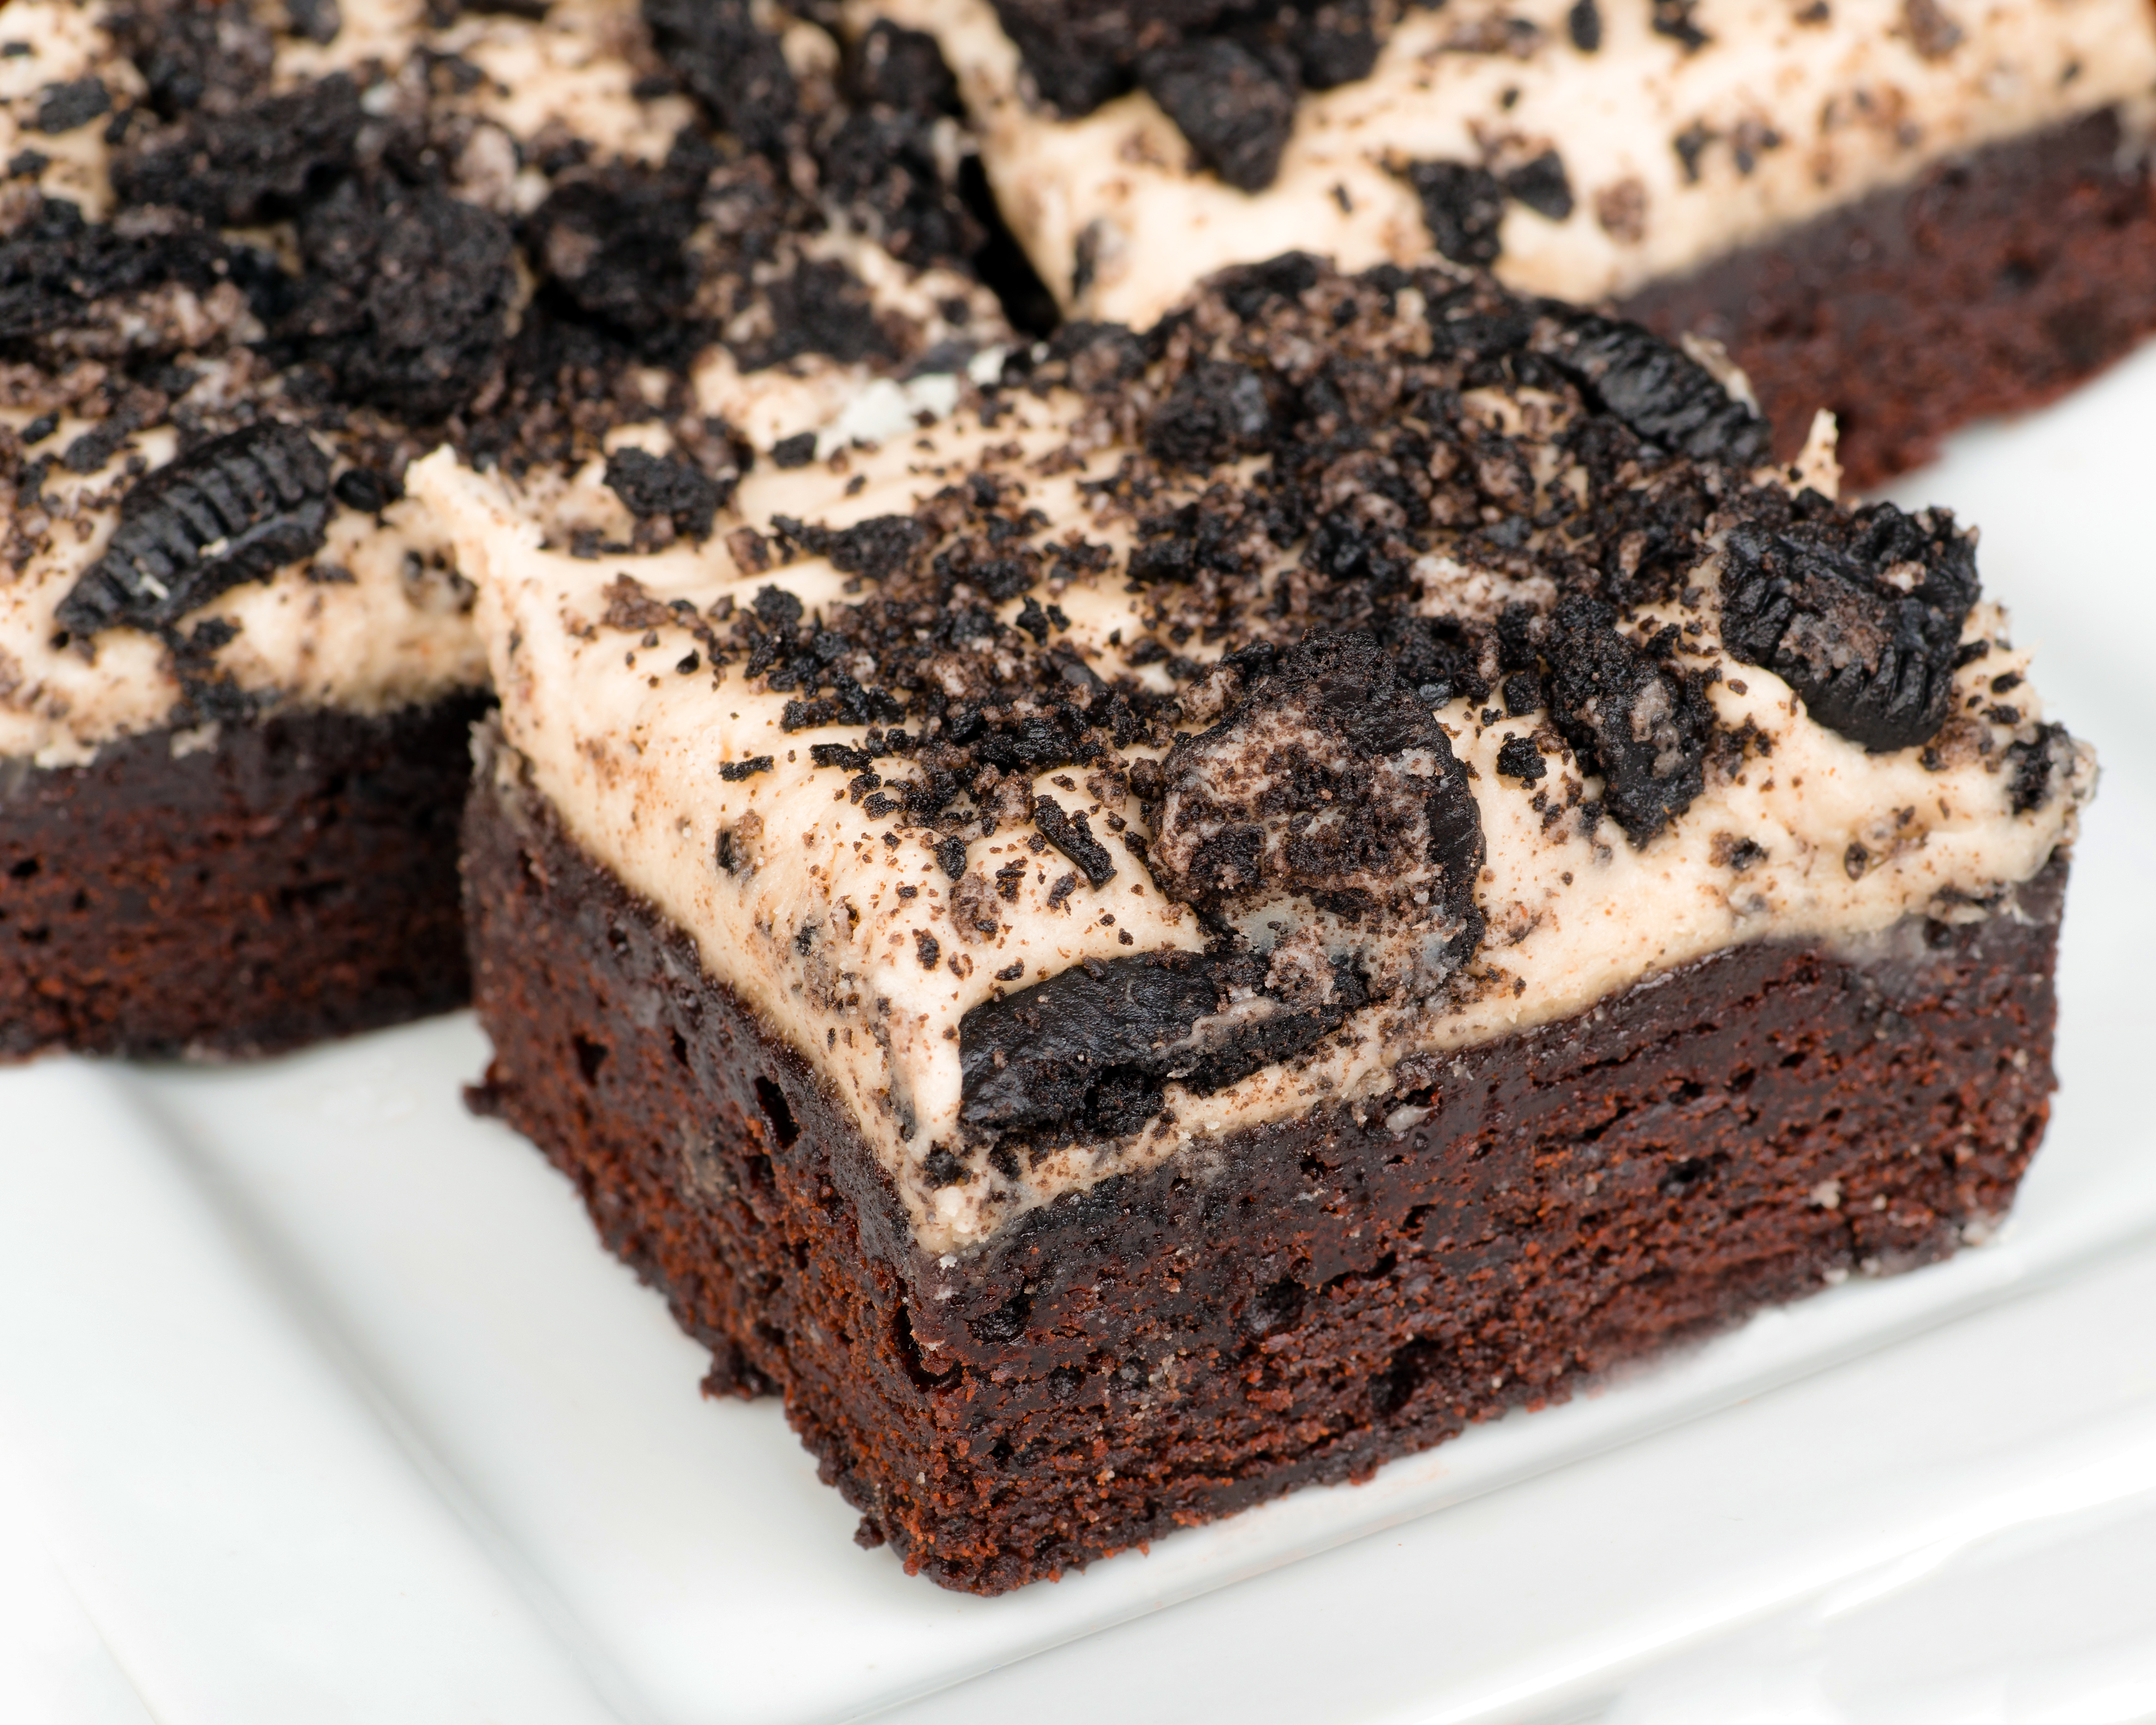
<point>1269,888</point>
<point>1915,213</point>
<point>253,261</point>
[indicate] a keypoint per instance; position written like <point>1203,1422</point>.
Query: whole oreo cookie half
<point>1861,616</point>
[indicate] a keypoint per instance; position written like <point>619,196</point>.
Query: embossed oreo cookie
<point>1861,615</point>
<point>236,509</point>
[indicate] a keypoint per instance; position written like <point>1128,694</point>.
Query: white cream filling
<point>627,748</point>
<point>1797,118</point>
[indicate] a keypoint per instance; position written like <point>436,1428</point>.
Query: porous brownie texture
<point>1298,1303</point>
<point>1993,284</point>
<point>294,878</point>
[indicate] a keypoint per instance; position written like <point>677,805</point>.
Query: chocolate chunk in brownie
<point>1861,615</point>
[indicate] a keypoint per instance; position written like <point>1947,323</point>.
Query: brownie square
<point>1270,887</point>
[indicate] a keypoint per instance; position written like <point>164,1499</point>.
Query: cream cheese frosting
<point>835,917</point>
<point>1674,155</point>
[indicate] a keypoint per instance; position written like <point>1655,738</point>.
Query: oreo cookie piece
<point>254,163</point>
<point>55,267</point>
<point>1327,806</point>
<point>734,70</point>
<point>649,484</point>
<point>1234,105</point>
<point>1086,1052</point>
<point>1861,615</point>
<point>236,509</point>
<point>1629,716</point>
<point>406,297</point>
<point>1658,390</point>
<point>1463,207</point>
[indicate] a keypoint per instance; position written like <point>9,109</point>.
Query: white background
<point>319,1402</point>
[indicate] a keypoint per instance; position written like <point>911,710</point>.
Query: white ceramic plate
<point>318,1402</point>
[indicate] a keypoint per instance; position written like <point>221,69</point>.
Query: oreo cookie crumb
<point>254,164</point>
<point>1463,207</point>
<point>1639,724</point>
<point>1073,836</point>
<point>63,107</point>
<point>733,69</point>
<point>649,484</point>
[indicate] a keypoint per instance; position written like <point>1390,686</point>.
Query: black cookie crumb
<point>254,163</point>
<point>62,107</point>
<point>649,484</point>
<point>406,299</point>
<point>733,69</point>
<point>1660,391</point>
<point>1073,836</point>
<point>1463,207</point>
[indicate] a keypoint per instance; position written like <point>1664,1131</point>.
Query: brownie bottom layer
<point>1300,1303</point>
<point>1993,284</point>
<point>297,880</point>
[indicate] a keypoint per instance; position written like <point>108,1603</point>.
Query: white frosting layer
<point>1794,118</point>
<point>815,928</point>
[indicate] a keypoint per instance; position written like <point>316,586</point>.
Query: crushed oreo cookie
<point>1329,801</point>
<point>1227,72</point>
<point>649,484</point>
<point>1235,107</point>
<point>1630,714</point>
<point>252,164</point>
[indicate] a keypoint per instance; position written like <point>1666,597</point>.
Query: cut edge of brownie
<point>1993,284</point>
<point>1297,1303</point>
<point>292,879</point>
